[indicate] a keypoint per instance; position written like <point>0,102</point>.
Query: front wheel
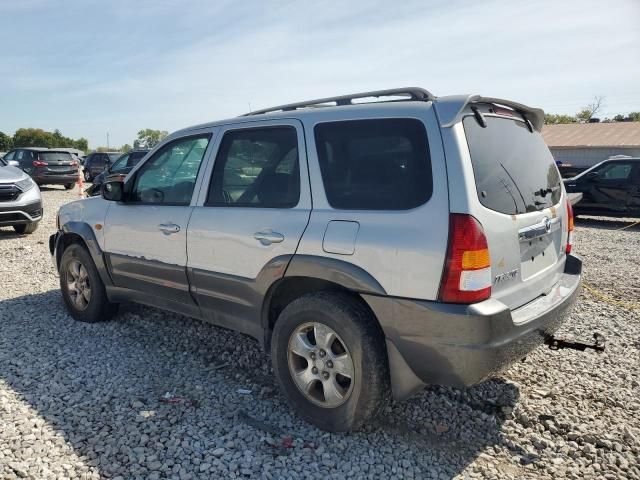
<point>329,356</point>
<point>87,176</point>
<point>82,289</point>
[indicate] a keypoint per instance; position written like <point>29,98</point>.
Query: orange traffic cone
<point>80,183</point>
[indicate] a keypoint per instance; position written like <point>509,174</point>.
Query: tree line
<point>589,114</point>
<point>36,137</point>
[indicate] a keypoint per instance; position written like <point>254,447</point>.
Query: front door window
<point>169,176</point>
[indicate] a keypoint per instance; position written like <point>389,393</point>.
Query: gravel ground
<point>156,395</point>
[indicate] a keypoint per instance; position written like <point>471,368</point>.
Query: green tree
<point>81,144</point>
<point>6,142</point>
<point>58,139</point>
<point>590,110</point>
<point>553,119</point>
<point>32,137</point>
<point>149,138</point>
<point>631,117</point>
<point>36,137</point>
<point>126,148</point>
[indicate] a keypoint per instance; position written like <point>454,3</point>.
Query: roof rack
<point>413,93</point>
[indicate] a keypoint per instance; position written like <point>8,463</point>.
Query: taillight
<point>39,163</point>
<point>467,270</point>
<point>569,227</point>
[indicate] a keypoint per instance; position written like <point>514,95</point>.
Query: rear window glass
<point>513,168</point>
<point>55,156</point>
<point>375,164</point>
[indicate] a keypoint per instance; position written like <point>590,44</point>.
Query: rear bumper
<point>54,179</point>
<point>461,345</point>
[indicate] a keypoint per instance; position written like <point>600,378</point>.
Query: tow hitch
<point>558,343</point>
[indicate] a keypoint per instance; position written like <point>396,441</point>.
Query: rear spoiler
<point>449,109</point>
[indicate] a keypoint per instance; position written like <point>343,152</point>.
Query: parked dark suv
<point>45,166</point>
<point>95,163</point>
<point>610,188</point>
<point>121,166</point>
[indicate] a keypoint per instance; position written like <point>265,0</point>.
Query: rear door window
<point>256,167</point>
<point>381,164</point>
<point>513,167</point>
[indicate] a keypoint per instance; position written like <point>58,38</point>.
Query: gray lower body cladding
<point>462,345</point>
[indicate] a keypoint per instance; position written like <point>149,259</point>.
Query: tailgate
<point>59,163</point>
<point>522,205</point>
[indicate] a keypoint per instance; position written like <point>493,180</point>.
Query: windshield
<point>135,157</point>
<point>120,163</point>
<point>513,167</point>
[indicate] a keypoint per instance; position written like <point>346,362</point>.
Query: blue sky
<point>90,67</point>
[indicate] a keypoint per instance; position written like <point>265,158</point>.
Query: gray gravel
<point>155,395</point>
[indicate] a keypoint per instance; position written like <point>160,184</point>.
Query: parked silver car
<point>372,248</point>
<point>20,200</point>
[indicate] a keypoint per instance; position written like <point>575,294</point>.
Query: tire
<point>87,176</point>
<point>26,228</point>
<point>95,308</point>
<point>358,332</point>
<point>69,186</point>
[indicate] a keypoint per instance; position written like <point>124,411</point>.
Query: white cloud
<point>551,54</point>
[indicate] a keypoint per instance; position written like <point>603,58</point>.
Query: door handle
<point>169,228</point>
<point>267,237</point>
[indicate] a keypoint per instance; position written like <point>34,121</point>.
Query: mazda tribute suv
<point>373,243</point>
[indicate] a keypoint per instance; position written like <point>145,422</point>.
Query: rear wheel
<point>69,186</point>
<point>82,289</point>
<point>26,228</point>
<point>329,356</point>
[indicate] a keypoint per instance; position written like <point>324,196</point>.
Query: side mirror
<point>113,190</point>
<point>592,175</point>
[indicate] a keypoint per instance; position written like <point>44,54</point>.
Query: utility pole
<point>108,142</point>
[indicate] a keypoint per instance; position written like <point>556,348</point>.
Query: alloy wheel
<point>320,364</point>
<point>78,285</point>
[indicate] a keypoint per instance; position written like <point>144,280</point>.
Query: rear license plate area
<point>538,254</point>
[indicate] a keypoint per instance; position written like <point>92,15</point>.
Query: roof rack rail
<point>414,93</point>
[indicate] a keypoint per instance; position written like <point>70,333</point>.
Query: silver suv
<point>20,200</point>
<point>373,242</point>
